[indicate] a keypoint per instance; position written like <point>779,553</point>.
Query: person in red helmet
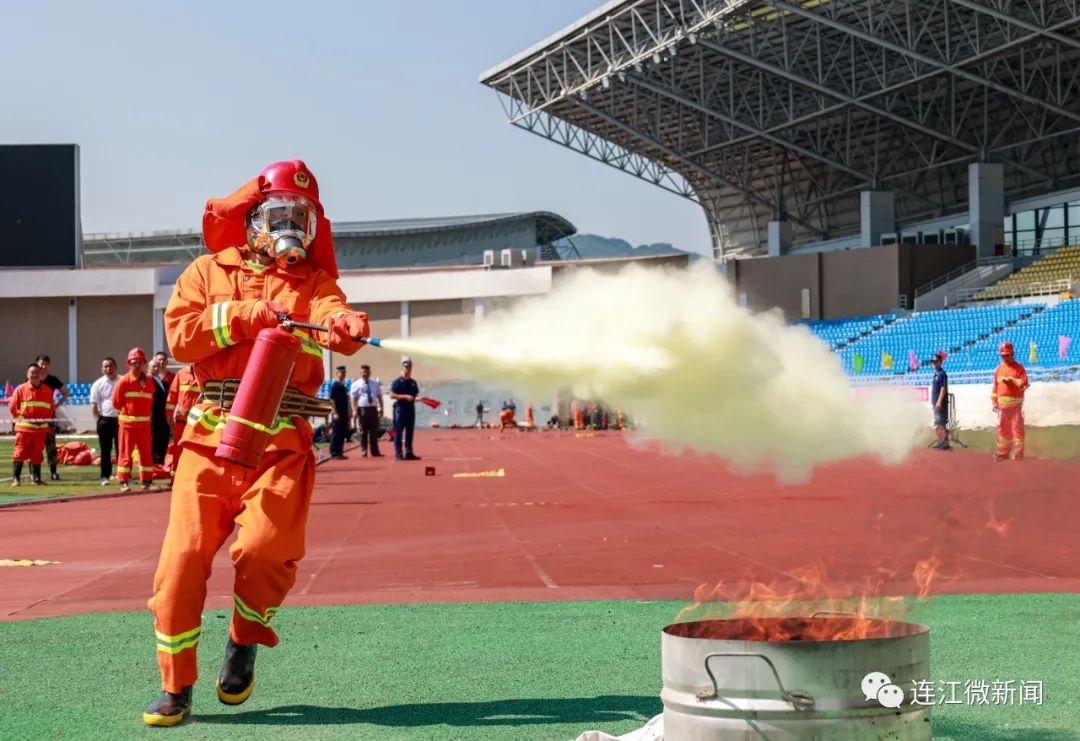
<point>272,256</point>
<point>1010,382</point>
<point>133,398</point>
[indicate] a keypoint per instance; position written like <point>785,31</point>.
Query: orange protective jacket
<point>28,404</point>
<point>1012,391</point>
<point>134,399</point>
<point>208,324</point>
<point>183,393</point>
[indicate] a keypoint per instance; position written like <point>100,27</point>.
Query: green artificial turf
<point>514,671</point>
<point>74,480</point>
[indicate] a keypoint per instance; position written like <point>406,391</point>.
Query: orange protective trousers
<point>30,446</point>
<point>135,436</point>
<point>1010,431</point>
<point>270,505</point>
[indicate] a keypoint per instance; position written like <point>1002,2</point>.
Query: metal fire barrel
<point>266,376</point>
<point>726,688</point>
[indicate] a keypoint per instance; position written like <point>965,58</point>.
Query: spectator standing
<point>366,396</point>
<point>55,384</point>
<point>105,416</point>
<point>31,402</point>
<point>939,398</point>
<point>339,394</point>
<point>404,391</point>
<point>163,360</point>
<point>160,427</point>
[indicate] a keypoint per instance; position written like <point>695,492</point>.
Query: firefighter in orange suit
<point>133,398</point>
<point>1010,382</point>
<point>31,401</point>
<point>272,254</point>
<point>183,393</point>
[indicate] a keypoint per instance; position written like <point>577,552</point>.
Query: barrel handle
<point>798,700</point>
<point>842,613</point>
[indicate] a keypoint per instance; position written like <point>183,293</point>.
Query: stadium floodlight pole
<point>290,324</point>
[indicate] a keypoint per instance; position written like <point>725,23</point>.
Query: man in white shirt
<point>366,395</point>
<point>108,425</point>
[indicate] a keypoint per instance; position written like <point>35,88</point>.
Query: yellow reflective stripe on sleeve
<point>251,615</point>
<point>129,418</point>
<point>39,404</point>
<point>207,419</point>
<point>187,387</point>
<point>307,344</point>
<point>219,324</point>
<point>138,395</point>
<point>170,407</point>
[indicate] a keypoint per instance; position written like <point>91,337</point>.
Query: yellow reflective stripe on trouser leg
<point>179,642</point>
<point>251,615</point>
<point>219,324</point>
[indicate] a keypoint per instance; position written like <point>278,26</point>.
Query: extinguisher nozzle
<point>371,341</point>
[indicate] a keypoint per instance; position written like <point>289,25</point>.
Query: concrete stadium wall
<point>778,282</point>
<point>843,283</point>
<point>33,326</point>
<point>112,326</point>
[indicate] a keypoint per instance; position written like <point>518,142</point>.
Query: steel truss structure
<point>787,110</point>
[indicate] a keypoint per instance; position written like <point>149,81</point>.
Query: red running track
<point>586,517</point>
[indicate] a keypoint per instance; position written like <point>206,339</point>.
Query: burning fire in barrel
<point>819,678</point>
<point>764,673</point>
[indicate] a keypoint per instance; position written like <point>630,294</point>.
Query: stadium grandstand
<point>855,160</point>
<point>392,243</point>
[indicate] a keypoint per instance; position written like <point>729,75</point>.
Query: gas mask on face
<point>282,227</point>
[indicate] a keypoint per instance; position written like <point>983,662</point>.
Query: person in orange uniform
<point>272,254</point>
<point>183,393</point>
<point>1010,382</point>
<point>530,419</point>
<point>31,404</point>
<point>133,398</point>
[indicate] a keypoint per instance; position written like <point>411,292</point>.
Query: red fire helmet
<point>290,176</point>
<point>1005,348</point>
<point>136,354</point>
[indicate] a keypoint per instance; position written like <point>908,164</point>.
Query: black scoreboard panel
<point>39,206</point>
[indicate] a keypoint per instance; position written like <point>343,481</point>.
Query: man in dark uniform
<point>50,438</point>
<point>404,391</point>
<point>939,398</point>
<point>339,394</point>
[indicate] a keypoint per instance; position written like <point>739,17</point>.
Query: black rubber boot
<point>35,474</point>
<point>237,678</point>
<point>16,473</point>
<point>53,475</point>
<point>169,709</point>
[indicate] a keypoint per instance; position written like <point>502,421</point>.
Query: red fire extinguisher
<point>269,367</point>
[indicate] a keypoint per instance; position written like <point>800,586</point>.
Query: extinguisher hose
<point>290,324</point>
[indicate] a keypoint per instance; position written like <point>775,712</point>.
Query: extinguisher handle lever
<point>290,324</point>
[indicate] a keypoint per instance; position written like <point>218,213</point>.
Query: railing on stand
<point>1023,290</point>
<point>958,272</point>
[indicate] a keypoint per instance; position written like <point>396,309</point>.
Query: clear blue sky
<point>174,102</point>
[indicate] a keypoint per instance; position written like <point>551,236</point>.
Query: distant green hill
<point>592,246</point>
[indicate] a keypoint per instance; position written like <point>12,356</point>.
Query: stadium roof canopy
<point>186,244</point>
<point>760,109</point>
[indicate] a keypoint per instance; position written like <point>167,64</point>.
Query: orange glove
<point>345,330</point>
<point>265,314</point>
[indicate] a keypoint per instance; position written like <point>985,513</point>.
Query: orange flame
<point>999,527</point>
<point>777,611</point>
